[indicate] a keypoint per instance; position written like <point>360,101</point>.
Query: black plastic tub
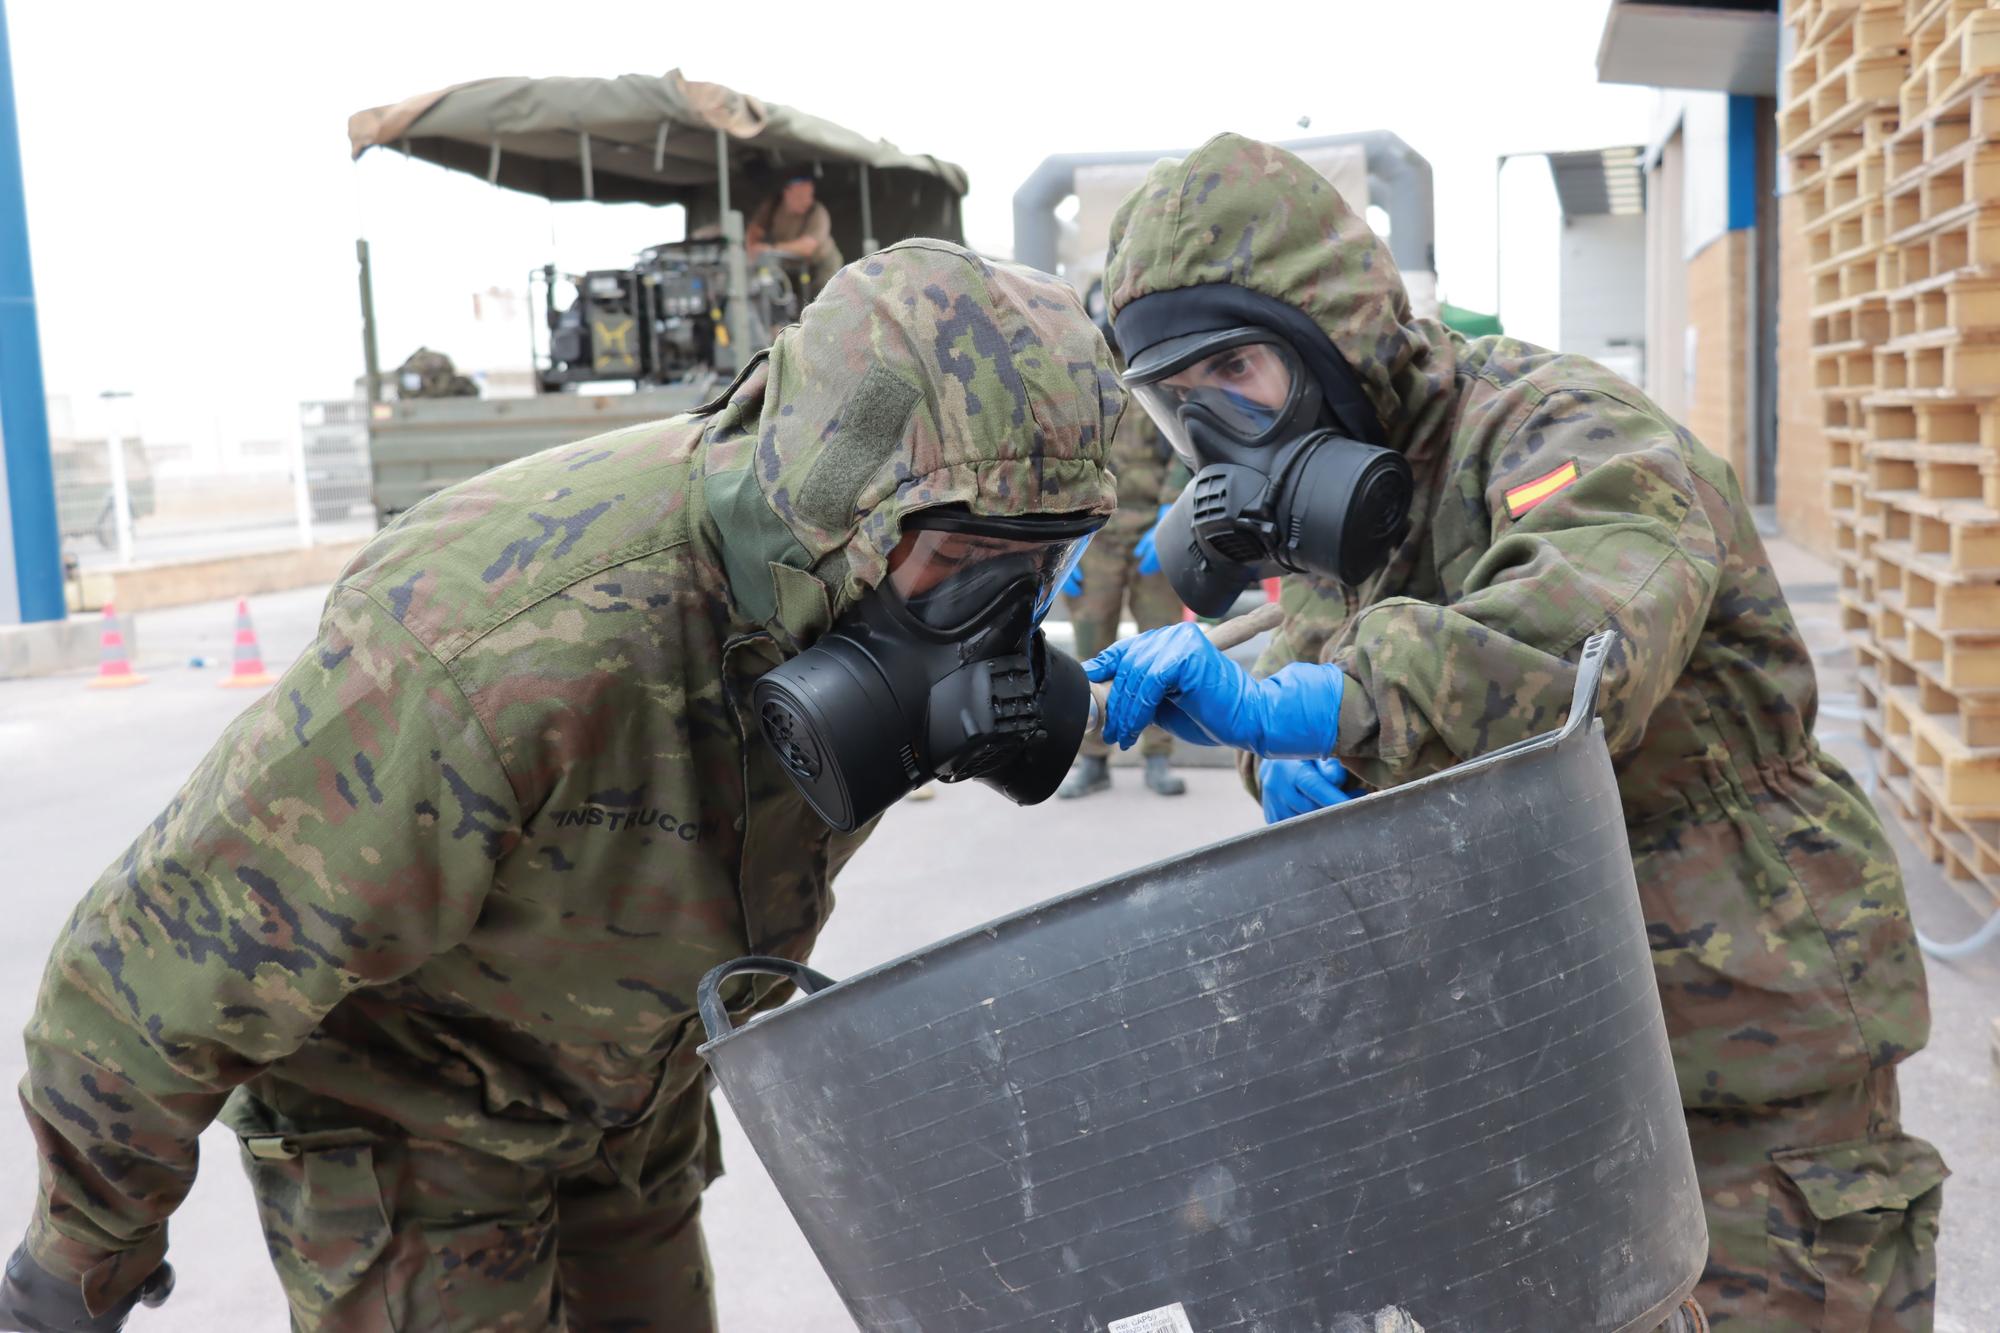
<point>1402,1055</point>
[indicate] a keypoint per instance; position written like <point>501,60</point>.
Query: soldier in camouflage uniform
<point>425,926</point>
<point>1117,570</point>
<point>1553,500</point>
<point>430,374</point>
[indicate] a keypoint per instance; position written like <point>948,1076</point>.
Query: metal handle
<point>1590,668</point>
<point>708,995</point>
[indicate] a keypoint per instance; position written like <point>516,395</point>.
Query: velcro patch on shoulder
<point>1528,494</point>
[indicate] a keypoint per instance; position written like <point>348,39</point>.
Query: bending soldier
<point>425,927</point>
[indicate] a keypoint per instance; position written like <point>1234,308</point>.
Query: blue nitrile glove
<point>1176,678</point>
<point>1299,786</point>
<point>1148,553</point>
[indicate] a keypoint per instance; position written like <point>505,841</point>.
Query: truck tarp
<point>642,138</point>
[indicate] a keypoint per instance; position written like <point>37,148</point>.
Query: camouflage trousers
<point>1822,1215</point>
<point>377,1234</point>
<point>1112,581</point>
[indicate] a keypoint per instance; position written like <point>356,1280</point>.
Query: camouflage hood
<point>1255,216</point>
<point>921,376</point>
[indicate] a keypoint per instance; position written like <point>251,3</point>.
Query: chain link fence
<point>123,499</point>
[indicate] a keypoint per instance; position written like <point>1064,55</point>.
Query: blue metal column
<point>24,419</point>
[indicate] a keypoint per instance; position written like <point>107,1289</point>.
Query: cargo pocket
<point>324,1221</point>
<point>1853,1232</point>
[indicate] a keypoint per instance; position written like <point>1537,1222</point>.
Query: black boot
<point>1091,774</point>
<point>1161,778</point>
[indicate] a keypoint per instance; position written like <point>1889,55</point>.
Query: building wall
<point>1702,212</point>
<point>1666,281</point>
<point>1716,368</point>
<point>1803,514</point>
<point>1604,291</point>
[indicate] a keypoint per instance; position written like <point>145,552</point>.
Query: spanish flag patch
<point>1526,496</point>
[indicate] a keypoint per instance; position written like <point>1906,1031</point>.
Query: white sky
<point>193,211</point>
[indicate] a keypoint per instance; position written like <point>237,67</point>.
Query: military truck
<point>679,321</point>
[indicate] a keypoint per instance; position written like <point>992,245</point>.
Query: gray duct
<point>1399,179</point>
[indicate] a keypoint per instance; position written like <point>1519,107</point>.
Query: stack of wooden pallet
<point>1906,235</point>
<point>1839,115</point>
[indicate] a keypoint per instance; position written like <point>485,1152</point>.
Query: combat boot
<point>1091,774</point>
<point>1161,778</point>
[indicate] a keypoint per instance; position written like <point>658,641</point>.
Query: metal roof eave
<point>1706,47</point>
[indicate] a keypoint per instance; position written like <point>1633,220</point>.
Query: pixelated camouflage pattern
<point>374,1233</point>
<point>455,877</point>
<point>1786,960</point>
<point>1149,475</point>
<point>1840,1234</point>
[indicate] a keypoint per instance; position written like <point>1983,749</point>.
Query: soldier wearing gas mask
<point>424,929</point>
<point>1455,518</point>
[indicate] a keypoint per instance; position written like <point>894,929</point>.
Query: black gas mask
<point>1288,475</point>
<point>942,673</point>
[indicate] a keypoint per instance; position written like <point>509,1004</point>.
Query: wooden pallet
<point>1862,271</point>
<point>1872,132</point>
<point>1858,225</point>
<point>1968,849</point>
<point>1967,301</point>
<point>1966,237</point>
<point>1855,180</point>
<point>1926,30</point>
<point>1969,53</point>
<point>1944,359</point>
<point>1844,497</point>
<point>1969,866</point>
<point>1970,116</point>
<point>1875,31</point>
<point>1924,591</point>
<point>1921,15</point>
<point>1967,173</point>
<point>1961,660</point>
<point>1843,421</point>
<point>1848,365</point>
<point>1958,532</point>
<point>1865,319</point>
<point>1963,777</point>
<point>1842,100</point>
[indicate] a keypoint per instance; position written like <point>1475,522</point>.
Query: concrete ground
<point>83,770</point>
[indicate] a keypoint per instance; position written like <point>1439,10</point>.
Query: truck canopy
<point>653,139</point>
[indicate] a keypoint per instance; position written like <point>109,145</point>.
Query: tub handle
<point>708,995</point>
<point>1584,702</point>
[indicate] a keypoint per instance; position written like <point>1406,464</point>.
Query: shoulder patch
<point>1527,495</point>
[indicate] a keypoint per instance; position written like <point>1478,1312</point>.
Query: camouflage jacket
<point>457,875</point>
<point>1554,500</point>
<point>1148,473</point>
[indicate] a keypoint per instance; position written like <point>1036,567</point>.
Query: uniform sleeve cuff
<point>105,1277</point>
<point>1359,725</point>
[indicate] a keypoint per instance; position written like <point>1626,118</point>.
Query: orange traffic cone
<point>247,672</point>
<point>114,669</point>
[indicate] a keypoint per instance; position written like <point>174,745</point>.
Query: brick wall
<point>1716,304</point>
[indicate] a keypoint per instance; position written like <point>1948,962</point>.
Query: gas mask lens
<point>1240,382</point>
<point>1274,483</point>
<point>950,579</point>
